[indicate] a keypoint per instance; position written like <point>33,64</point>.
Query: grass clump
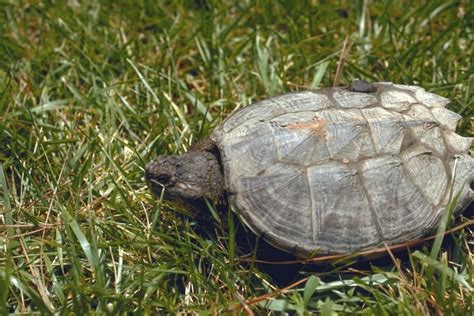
<point>91,91</point>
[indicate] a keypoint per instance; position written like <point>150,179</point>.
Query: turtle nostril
<point>472,185</point>
<point>148,167</point>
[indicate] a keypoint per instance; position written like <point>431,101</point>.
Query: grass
<point>90,92</point>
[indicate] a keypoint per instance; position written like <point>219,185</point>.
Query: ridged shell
<point>334,171</point>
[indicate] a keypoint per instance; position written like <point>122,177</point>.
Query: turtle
<point>330,171</point>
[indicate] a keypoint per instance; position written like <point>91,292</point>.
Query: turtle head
<point>188,179</point>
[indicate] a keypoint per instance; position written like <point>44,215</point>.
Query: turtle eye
<point>163,178</point>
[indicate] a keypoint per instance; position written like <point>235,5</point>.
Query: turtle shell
<point>333,171</point>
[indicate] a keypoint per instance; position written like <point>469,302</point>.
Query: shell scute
<point>348,99</point>
<point>302,101</point>
<point>343,220</point>
<point>430,99</point>
<point>387,130</point>
<point>299,139</point>
<point>422,168</point>
<point>248,115</point>
<point>335,171</point>
<point>348,134</point>
<point>400,208</point>
<point>446,118</point>
<point>396,100</point>
<point>287,182</point>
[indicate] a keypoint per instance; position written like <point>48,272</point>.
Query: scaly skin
<point>188,179</point>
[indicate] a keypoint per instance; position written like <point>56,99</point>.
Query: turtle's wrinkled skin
<point>187,179</point>
<point>334,170</point>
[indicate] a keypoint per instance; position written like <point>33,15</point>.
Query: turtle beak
<point>159,174</point>
<point>149,168</point>
<point>155,180</point>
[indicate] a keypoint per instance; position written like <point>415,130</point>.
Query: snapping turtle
<point>330,171</point>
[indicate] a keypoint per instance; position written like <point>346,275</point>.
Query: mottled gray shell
<point>333,171</point>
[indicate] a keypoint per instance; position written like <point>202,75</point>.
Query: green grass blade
<point>444,269</point>
<point>89,250</point>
